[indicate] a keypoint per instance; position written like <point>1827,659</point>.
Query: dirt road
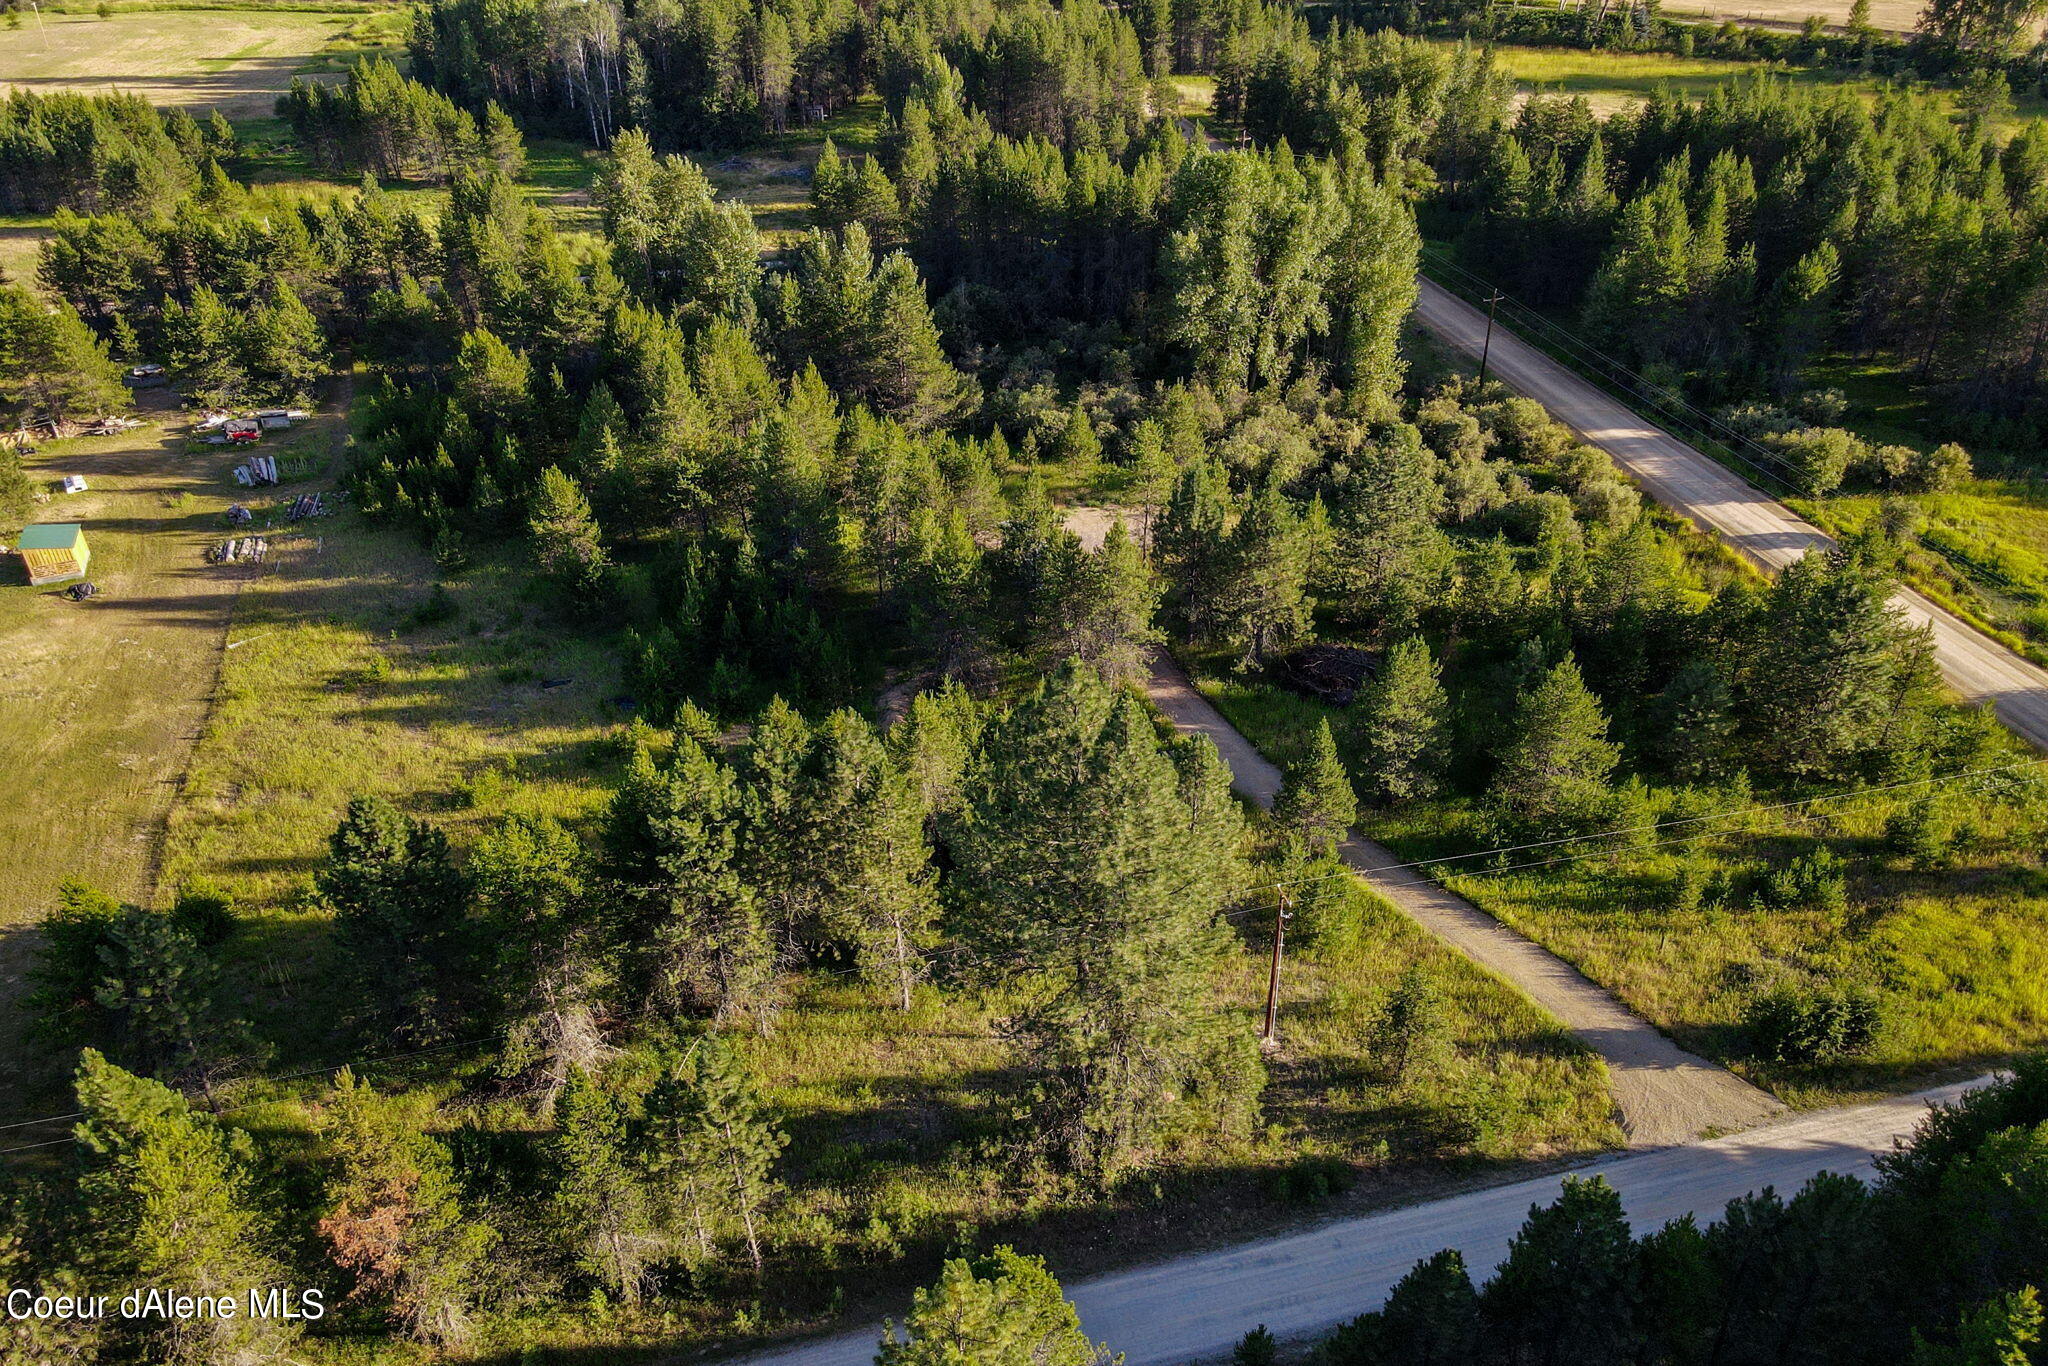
<point>1665,1094</point>
<point>1195,1308</point>
<point>1752,522</point>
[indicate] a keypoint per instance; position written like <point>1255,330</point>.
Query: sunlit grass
<point>1960,955</point>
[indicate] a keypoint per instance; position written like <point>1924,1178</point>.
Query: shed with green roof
<point>54,552</point>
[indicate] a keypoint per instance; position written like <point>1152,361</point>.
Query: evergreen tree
<point>160,992</point>
<point>1410,1031</point>
<point>1998,1332</point>
<point>864,831</point>
<point>1431,1318</point>
<point>999,1310</point>
<point>565,534</point>
<point>1402,732</point>
<point>1555,766</point>
<point>1189,544</point>
<point>1316,800</point>
<point>279,348</point>
<point>1566,1294</point>
<point>1079,868</point>
<point>399,916</point>
<point>694,927</point>
<point>1827,672</point>
<point>1100,609</point>
<point>1383,514</point>
<point>532,890</point>
<point>711,1146</point>
<point>51,366</point>
<point>599,1196</point>
<point>1264,596</point>
<point>168,1201</point>
<point>393,1220</point>
<point>1078,447</point>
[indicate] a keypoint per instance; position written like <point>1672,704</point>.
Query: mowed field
<point>236,61</point>
<point>101,702</point>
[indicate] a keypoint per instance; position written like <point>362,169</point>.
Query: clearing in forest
<point>101,701</point>
<point>236,61</point>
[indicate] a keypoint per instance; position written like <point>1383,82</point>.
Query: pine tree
<point>1189,544</point>
<point>1431,1318</point>
<point>864,831</point>
<point>1100,609</point>
<point>1410,1031</point>
<point>1082,868</point>
<point>1263,599</point>
<point>1556,763</point>
<point>168,1201</point>
<point>903,368</point>
<point>532,890</point>
<point>160,992</point>
<point>694,927</point>
<point>1827,672</point>
<point>565,534</point>
<point>1998,1332</point>
<point>999,1310</point>
<point>1078,447</point>
<point>1316,800</point>
<point>1566,1291</point>
<point>200,349</point>
<point>51,366</point>
<point>1403,736</point>
<point>393,1219</point>
<point>503,147</point>
<point>399,915</point>
<point>1383,514</point>
<point>599,1196</point>
<point>280,348</point>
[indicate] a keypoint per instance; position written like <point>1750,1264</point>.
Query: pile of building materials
<point>239,515</point>
<point>247,550</point>
<point>308,505</point>
<point>261,469</point>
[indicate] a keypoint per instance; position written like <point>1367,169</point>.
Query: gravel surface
<point>1665,1094</point>
<point>1194,1308</point>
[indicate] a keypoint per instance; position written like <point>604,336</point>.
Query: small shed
<point>54,551</point>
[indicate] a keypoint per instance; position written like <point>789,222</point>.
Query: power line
<point>1669,402</point>
<point>284,1077</point>
<point>1618,850</point>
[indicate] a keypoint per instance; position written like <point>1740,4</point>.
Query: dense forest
<point>779,475</point>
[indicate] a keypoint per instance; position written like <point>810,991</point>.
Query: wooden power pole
<point>1270,1036</point>
<point>1486,348</point>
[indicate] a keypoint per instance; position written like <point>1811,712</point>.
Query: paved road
<point>1665,1095</point>
<point>1195,1308</point>
<point>1753,523</point>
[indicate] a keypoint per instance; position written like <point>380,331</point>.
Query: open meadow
<point>101,701</point>
<point>235,61</point>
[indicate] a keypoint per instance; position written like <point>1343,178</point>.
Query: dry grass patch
<point>236,61</point>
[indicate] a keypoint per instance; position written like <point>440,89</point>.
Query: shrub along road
<point>1195,1308</point>
<point>1757,525</point>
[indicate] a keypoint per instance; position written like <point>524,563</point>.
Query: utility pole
<point>1269,1038</point>
<point>1492,301</point>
